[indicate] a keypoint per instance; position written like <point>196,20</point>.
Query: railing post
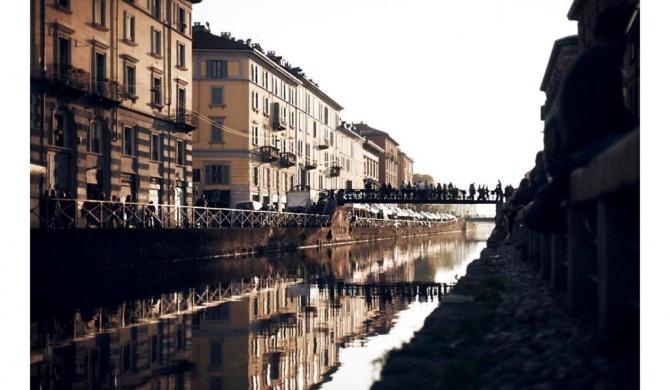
<point>558,263</point>
<point>545,257</point>
<point>582,298</point>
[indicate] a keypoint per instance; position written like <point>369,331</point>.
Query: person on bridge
<point>472,192</point>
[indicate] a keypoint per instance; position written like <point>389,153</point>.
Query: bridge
<point>387,290</point>
<point>469,218</point>
<point>413,197</point>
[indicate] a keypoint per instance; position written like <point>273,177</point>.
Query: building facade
<point>265,128</point>
<point>110,97</point>
<point>562,55</point>
<point>389,162</point>
<point>406,169</point>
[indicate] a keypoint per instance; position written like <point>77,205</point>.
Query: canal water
<point>320,318</point>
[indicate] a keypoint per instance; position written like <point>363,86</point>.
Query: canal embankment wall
<point>63,250</point>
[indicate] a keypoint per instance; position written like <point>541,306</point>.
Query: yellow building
<point>110,99</point>
<point>264,127</point>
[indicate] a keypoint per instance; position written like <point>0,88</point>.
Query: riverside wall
<point>63,250</point>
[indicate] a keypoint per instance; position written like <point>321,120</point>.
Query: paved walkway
<point>503,328</point>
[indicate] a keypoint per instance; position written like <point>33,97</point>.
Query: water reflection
<point>279,321</point>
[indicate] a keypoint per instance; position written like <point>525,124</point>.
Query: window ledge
<point>129,42</point>
<point>182,68</point>
<point>99,26</point>
<point>157,56</point>
<point>130,96</point>
<point>217,105</point>
<point>156,106</point>
<point>62,9</point>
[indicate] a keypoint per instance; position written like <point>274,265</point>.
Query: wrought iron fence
<point>63,213</point>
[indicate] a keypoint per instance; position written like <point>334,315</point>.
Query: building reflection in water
<point>284,328</point>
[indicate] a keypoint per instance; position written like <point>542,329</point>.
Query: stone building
<point>265,127</point>
<point>406,168</point>
<point>110,99</point>
<point>389,163</point>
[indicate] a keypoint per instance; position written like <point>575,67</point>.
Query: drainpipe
<point>168,12</point>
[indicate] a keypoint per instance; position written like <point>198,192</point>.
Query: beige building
<point>406,168</point>
<point>110,99</point>
<point>264,127</point>
<point>389,162</point>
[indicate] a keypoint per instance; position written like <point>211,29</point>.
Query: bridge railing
<point>597,262</point>
<point>414,195</point>
<point>63,213</point>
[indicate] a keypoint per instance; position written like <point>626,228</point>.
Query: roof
<point>368,131</point>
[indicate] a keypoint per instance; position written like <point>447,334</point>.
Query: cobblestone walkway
<point>503,328</point>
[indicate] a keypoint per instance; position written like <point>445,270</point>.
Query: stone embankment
<point>503,328</point>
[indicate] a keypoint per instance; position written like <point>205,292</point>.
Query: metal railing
<point>62,213</point>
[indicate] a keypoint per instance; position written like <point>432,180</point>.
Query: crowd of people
<point>425,191</point>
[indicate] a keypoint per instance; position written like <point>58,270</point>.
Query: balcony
<point>269,154</point>
<point>310,163</point>
<point>334,171</point>
<point>324,143</point>
<point>186,120</point>
<point>106,93</point>
<point>67,79</point>
<point>287,159</point>
<point>279,124</point>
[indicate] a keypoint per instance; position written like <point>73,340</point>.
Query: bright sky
<point>455,83</point>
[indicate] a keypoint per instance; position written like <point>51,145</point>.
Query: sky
<point>455,83</point>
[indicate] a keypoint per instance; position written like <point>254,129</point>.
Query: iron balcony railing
<point>68,75</point>
<point>61,213</point>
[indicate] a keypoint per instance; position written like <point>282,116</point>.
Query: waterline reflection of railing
<point>361,222</point>
<point>166,305</point>
<point>56,213</point>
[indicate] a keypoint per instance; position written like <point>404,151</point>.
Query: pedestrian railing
<point>62,213</point>
<point>597,262</point>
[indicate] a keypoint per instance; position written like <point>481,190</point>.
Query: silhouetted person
<point>592,112</point>
<point>117,218</point>
<point>591,117</point>
<point>129,211</point>
<point>519,200</point>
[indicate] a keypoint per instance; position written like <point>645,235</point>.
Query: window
<point>254,100</point>
<point>254,73</point>
<point>63,51</point>
<point>181,152</point>
<point>254,135</point>
<point>155,147</point>
<point>266,106</point>
<point>216,96</point>
<point>63,3</point>
<point>216,131</point>
<point>325,115</point>
<point>256,176</point>
<point>266,80</point>
<point>129,28</point>
<point>276,180</point>
<point>59,130</point>
<point>130,80</point>
<point>217,174</point>
<point>156,8</point>
<point>217,69</point>
<point>181,20</point>
<point>94,137</point>
<point>155,42</point>
<point>181,55</point>
<point>129,140</point>
<point>99,12</point>
<point>157,91</point>
<point>314,130</point>
<point>266,177</point>
<point>276,86</point>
